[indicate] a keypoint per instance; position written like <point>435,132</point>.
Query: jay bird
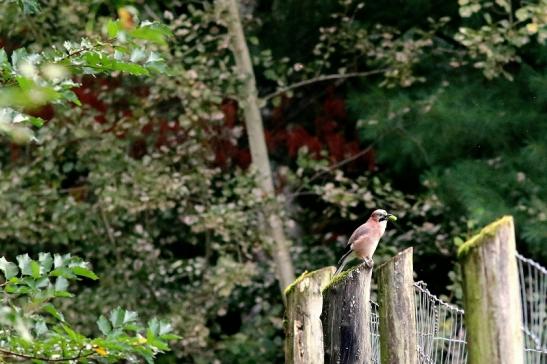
<point>364,240</point>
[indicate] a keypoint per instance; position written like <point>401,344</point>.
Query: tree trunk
<point>397,310</point>
<point>303,328</point>
<point>257,142</point>
<point>491,295</point>
<point>346,317</point>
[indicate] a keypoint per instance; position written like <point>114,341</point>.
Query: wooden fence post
<point>397,310</point>
<point>491,295</point>
<point>303,328</point>
<point>346,317</point>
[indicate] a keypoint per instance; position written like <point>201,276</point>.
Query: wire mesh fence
<point>441,337</point>
<point>533,293</point>
<point>374,332</point>
<point>439,328</point>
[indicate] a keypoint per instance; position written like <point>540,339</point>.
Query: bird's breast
<point>365,246</point>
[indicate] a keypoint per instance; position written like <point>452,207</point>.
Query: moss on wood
<point>487,232</point>
<point>341,276</point>
<point>303,276</point>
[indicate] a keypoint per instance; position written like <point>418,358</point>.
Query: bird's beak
<point>391,217</point>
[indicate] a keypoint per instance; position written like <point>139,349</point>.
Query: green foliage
<point>140,193</point>
<point>495,44</point>
<point>32,327</point>
<point>481,152</point>
<point>31,80</point>
<point>143,177</point>
<point>27,6</point>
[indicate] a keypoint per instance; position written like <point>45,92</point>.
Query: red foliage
<point>229,108</point>
<point>243,158</point>
<point>281,137</point>
<point>45,112</point>
<point>88,97</point>
<point>326,134</point>
<point>335,107</point>
<point>335,144</point>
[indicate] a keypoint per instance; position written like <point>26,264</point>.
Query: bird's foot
<point>369,263</point>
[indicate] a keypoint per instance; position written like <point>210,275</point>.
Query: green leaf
<point>40,327</point>
<point>73,334</point>
<point>63,294</point>
<point>67,167</point>
<point>270,74</point>
<point>152,340</point>
<point>36,121</point>
<point>17,289</point>
<point>170,337</point>
<point>4,62</point>
<point>29,6</point>
<point>24,263</point>
<point>61,284</point>
<point>35,269</point>
<point>165,328</point>
<point>113,28</point>
<point>18,55</point>
<point>49,308</point>
<point>130,68</point>
<point>8,268</point>
<point>116,317</point>
<point>130,316</point>
<point>84,272</point>
<point>69,95</point>
<point>522,14</point>
<point>137,55</point>
<point>154,325</point>
<point>42,282</point>
<point>62,272</point>
<point>104,325</point>
<point>152,32</point>
<point>60,260</point>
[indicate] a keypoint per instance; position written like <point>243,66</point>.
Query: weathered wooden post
<point>303,328</point>
<point>346,317</point>
<point>397,310</point>
<point>491,295</point>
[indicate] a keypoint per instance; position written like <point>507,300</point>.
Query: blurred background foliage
<point>149,179</point>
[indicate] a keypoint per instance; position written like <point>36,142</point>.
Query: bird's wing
<point>360,231</point>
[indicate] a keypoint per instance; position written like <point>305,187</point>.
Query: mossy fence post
<point>303,328</point>
<point>491,295</point>
<point>346,317</point>
<point>397,310</point>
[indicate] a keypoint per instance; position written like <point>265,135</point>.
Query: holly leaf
<point>104,325</point>
<point>84,272</point>
<point>24,263</point>
<point>49,308</point>
<point>8,268</point>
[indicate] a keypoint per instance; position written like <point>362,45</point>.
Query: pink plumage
<point>364,240</point>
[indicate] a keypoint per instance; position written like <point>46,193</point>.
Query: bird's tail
<point>343,261</point>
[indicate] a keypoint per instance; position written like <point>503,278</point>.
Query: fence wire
<point>439,329</point>
<point>533,294</point>
<point>374,332</point>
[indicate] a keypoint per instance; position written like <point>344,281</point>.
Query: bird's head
<point>382,215</point>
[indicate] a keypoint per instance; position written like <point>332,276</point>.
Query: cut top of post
<point>342,276</point>
<point>305,275</point>
<point>487,232</point>
<point>400,255</point>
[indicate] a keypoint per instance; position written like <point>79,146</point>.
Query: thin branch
<point>107,227</point>
<point>331,168</point>
<point>151,13</point>
<point>30,357</point>
<point>336,76</point>
<point>76,53</point>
